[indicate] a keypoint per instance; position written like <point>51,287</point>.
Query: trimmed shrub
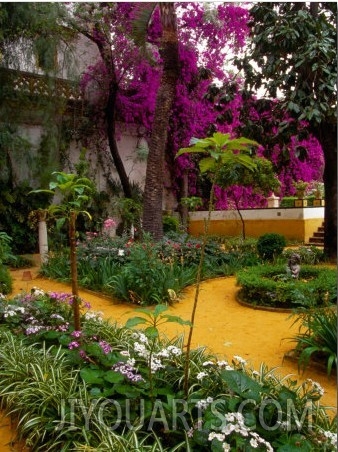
<point>270,246</point>
<point>270,285</point>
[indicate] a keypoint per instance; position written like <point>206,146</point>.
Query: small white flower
<point>207,363</point>
<point>9,313</point>
<point>120,252</point>
<point>204,403</point>
<point>201,375</point>
<point>131,362</point>
<point>96,316</point>
<point>240,359</point>
<point>38,291</point>
<point>155,364</point>
<point>332,437</point>
<point>143,338</point>
<point>222,363</point>
<point>219,436</point>
<point>174,350</point>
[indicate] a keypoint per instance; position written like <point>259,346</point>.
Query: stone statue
<point>294,265</point>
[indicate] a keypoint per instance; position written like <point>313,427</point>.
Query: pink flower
<point>73,344</point>
<point>109,223</point>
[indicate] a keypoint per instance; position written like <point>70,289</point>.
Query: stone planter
<point>318,202</point>
<point>300,202</point>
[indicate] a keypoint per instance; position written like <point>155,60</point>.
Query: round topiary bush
<point>270,245</point>
<point>271,286</point>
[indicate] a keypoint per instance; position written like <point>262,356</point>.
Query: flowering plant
<point>109,223</point>
<point>38,311</point>
<point>300,185</point>
<point>318,189</point>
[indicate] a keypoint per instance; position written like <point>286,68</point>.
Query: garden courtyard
<point>222,324</point>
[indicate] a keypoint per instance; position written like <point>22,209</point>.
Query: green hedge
<point>270,285</point>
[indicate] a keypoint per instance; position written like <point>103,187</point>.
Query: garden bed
<point>270,286</point>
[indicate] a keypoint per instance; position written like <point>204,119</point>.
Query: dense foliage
<point>147,272</point>
<point>270,246</point>
<point>120,388</point>
<point>294,44</point>
<point>272,286</point>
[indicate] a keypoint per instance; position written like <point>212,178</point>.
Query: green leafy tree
<point>293,55</point>
<point>218,151</point>
<point>74,193</point>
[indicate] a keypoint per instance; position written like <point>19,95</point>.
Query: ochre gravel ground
<point>224,326</point>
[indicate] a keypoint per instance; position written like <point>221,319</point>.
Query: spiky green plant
<point>317,337</point>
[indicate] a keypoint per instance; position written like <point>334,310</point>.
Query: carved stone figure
<point>294,265</point>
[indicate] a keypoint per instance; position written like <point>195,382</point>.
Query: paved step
<point>317,238</point>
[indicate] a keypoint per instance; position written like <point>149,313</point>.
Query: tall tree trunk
<point>327,136</point>
<point>153,190</point>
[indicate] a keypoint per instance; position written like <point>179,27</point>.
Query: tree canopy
<point>292,54</point>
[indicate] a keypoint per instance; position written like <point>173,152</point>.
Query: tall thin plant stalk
<point>221,151</point>
<point>197,290</point>
<point>75,192</point>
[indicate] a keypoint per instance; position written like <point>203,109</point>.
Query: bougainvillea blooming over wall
<point>208,39</point>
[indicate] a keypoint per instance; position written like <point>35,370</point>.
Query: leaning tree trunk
<point>106,55</point>
<point>327,136</point>
<point>110,124</point>
<point>153,190</point>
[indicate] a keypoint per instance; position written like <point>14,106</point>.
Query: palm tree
<point>153,190</point>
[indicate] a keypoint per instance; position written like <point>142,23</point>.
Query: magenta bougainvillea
<point>208,37</point>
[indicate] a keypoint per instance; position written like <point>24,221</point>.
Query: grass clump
<point>317,337</point>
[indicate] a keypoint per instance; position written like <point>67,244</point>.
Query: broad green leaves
<point>75,192</point>
<point>221,150</point>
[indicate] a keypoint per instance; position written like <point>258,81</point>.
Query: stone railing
<point>40,85</point>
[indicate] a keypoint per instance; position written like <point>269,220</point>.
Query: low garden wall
<point>295,223</point>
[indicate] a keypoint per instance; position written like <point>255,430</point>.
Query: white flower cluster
<point>154,359</point>
<point>225,365</point>
<point>316,386</point>
<point>332,437</point>
<point>38,291</point>
<point>235,423</point>
<point>240,360</point>
<point>204,403</point>
<point>96,316</point>
<point>57,317</point>
<point>201,375</point>
<point>12,310</point>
